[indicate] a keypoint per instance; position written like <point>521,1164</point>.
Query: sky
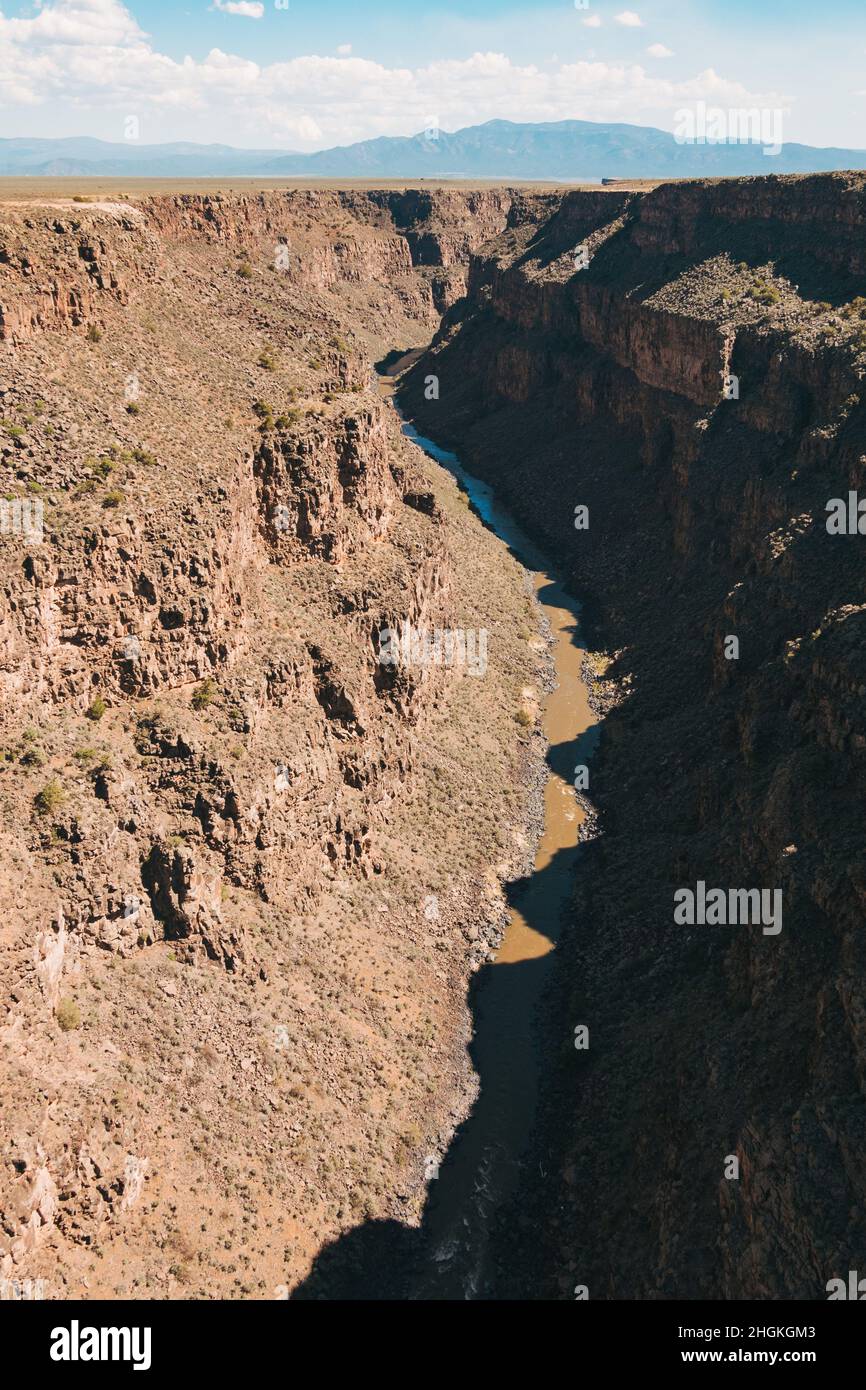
<point>308,74</point>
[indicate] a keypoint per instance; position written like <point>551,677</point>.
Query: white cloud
<point>85,65</point>
<point>593,22</point>
<point>658,50</point>
<point>250,9</point>
<point>85,22</point>
<point>629,19</point>
<point>344,49</point>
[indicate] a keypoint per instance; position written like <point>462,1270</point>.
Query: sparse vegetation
<point>762,292</point>
<point>68,1015</point>
<point>96,709</point>
<point>264,413</point>
<point>599,663</point>
<point>50,798</point>
<point>285,422</point>
<point>204,694</point>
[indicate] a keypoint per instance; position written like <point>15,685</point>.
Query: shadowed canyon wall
<point>604,387</point>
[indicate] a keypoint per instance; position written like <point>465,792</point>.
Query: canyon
<point>250,874</point>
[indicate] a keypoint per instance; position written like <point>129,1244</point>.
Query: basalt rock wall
<point>694,380</point>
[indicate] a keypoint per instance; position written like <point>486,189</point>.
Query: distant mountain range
<point>556,150</point>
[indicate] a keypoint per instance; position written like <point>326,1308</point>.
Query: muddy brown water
<point>482,1166</point>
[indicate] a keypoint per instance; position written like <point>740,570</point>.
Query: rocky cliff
<point>687,363</point>
<point>247,869</point>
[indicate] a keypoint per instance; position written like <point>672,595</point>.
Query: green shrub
<point>114,498</point>
<point>94,334</point>
<point>97,709</point>
<point>764,293</point>
<point>265,414</point>
<point>204,694</point>
<point>50,798</point>
<point>68,1015</point>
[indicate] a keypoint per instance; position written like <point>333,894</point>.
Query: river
<point>482,1166</point>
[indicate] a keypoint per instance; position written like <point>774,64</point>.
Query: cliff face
<point>416,243</point>
<point>247,870</point>
<point>606,387</point>
<point>240,894</point>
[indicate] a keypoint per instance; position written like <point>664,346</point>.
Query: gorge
<point>273,1048</point>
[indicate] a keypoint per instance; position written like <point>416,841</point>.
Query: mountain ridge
<point>567,150</point>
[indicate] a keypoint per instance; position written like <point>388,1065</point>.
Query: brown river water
<point>482,1167</point>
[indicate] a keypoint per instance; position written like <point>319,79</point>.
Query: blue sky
<point>326,72</point>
